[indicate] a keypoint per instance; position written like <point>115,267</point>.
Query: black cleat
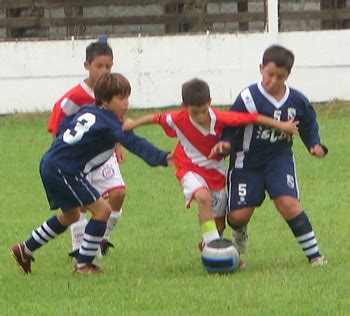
<point>105,245</point>
<point>74,254</point>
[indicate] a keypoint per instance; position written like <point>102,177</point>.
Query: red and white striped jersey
<point>69,104</point>
<point>195,142</point>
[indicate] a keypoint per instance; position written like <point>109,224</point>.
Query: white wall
<point>34,74</point>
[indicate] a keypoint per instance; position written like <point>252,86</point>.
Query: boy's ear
<point>104,103</point>
<point>261,67</point>
<point>86,65</point>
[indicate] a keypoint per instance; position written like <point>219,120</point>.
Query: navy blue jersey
<point>253,145</point>
<point>87,139</point>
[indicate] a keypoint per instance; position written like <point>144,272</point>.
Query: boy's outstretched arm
<point>130,124</point>
<point>289,127</point>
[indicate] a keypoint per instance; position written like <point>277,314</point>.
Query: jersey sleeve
<point>234,118</point>
<point>56,117</point>
<point>308,127</point>
<point>142,148</point>
<point>161,119</point>
<point>228,133</point>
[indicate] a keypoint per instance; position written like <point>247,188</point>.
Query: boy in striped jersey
<point>198,128</point>
<point>262,158</point>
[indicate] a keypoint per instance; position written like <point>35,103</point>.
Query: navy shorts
<point>65,190</point>
<point>246,187</point>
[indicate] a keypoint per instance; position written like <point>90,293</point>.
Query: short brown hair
<point>110,84</point>
<point>280,56</point>
<point>97,49</point>
<point>195,92</point>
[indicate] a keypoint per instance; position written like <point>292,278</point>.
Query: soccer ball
<point>220,256</point>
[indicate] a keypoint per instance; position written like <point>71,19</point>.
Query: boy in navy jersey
<point>107,179</point>
<point>87,142</point>
<point>262,159</point>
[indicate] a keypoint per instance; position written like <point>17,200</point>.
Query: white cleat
<point>240,239</point>
<point>319,261</point>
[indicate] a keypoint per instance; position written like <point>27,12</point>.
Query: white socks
<point>77,231</point>
<point>112,223</point>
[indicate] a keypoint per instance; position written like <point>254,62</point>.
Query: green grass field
<point>155,268</point>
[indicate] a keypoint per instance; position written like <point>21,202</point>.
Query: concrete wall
<point>34,74</point>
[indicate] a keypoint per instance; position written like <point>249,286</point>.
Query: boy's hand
<point>290,127</point>
<point>119,153</point>
<point>169,159</point>
<point>128,125</point>
<point>221,148</point>
<point>318,150</point>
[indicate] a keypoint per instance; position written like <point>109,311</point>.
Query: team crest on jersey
<point>291,114</point>
<point>108,172</point>
<point>290,181</point>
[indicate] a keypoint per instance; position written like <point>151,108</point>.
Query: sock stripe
<point>88,245</point>
<point>308,244</point>
<point>306,236</point>
<point>311,251</point>
<point>48,230</point>
<point>38,238</point>
<point>41,232</point>
<point>92,239</point>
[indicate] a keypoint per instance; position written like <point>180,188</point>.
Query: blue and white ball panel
<point>246,187</point>
<point>64,190</point>
<point>220,256</point>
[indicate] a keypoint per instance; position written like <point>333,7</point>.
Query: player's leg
<point>110,184</point>
<point>77,232</point>
<point>219,209</point>
<point>282,186</point>
<point>115,199</point>
<point>205,215</point>
<point>50,229</point>
<point>299,223</point>
<point>245,191</point>
<point>64,191</point>
<point>93,235</point>
<point>194,187</point>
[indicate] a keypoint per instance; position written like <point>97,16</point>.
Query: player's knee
<point>288,206</point>
<point>117,196</point>
<point>70,217</point>
<point>203,197</point>
<point>237,219</point>
<point>75,217</point>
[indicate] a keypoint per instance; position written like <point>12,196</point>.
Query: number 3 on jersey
<point>83,124</point>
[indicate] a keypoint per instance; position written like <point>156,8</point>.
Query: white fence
<point>34,74</point>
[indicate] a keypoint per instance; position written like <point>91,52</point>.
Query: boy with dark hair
<point>262,159</point>
<point>86,143</point>
<point>198,127</point>
<point>107,179</point>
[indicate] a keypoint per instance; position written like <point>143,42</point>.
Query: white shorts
<point>192,182</point>
<point>107,177</point>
